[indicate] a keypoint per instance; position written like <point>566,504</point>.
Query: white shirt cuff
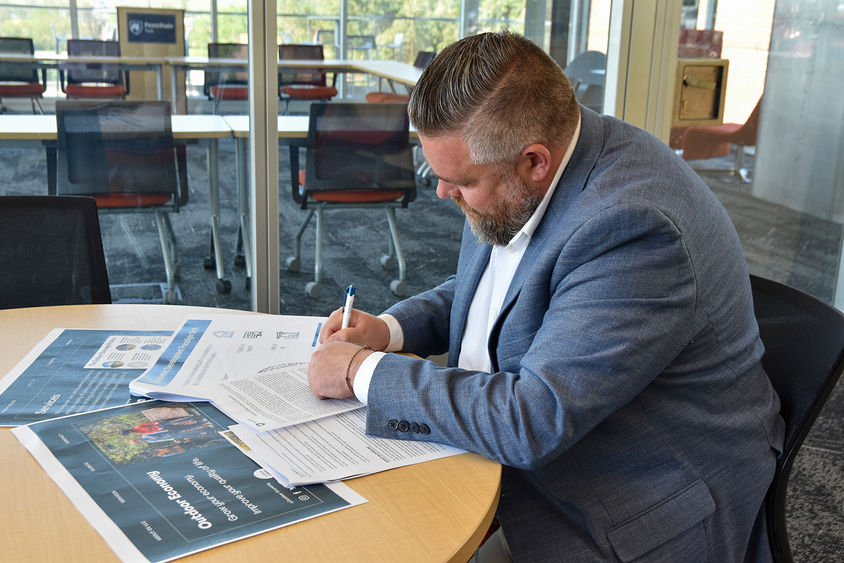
<point>364,376</point>
<point>396,333</point>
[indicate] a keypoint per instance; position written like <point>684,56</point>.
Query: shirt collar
<point>536,218</point>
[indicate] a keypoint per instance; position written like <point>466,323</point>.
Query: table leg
<point>50,150</point>
<point>174,93</point>
<point>244,254</point>
<point>223,285</point>
<point>159,77</point>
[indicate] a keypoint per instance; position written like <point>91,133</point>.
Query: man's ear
<point>535,164</point>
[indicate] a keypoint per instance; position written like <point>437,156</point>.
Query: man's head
<point>494,114</point>
<point>500,93</point>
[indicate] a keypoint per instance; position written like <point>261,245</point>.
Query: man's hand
<point>364,330</point>
<point>327,370</point>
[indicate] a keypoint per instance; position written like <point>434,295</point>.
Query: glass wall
<point>783,52</point>
<point>781,176</point>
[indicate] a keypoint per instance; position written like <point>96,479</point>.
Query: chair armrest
<point>295,193</point>
<point>182,171</point>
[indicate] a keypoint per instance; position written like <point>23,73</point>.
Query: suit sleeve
<point>600,317</point>
<point>424,319</point>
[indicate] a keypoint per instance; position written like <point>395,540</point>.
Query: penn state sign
<point>151,28</point>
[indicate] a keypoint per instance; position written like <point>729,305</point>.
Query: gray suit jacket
<point>626,400</point>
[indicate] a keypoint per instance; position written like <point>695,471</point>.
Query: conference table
<point>392,71</point>
<point>434,511</point>
<point>58,60</point>
<point>27,130</point>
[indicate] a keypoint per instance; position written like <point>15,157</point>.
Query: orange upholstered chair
<point>227,84</point>
<point>423,59</point>
<point>715,141</point>
<point>93,80</point>
<point>303,84</point>
<point>358,155</point>
<point>18,81</point>
<point>124,156</point>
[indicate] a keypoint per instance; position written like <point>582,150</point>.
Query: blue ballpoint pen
<point>347,306</point>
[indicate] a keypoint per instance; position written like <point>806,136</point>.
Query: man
<point>600,328</point>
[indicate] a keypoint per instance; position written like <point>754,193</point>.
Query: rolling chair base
<point>394,259</point>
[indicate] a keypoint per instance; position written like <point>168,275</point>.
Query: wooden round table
<point>434,511</point>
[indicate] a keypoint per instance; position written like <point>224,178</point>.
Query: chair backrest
<point>326,37</point>
<point>584,74</point>
<point>582,65</point>
<point>226,77</point>
<point>117,148</point>
<point>93,73</point>
<point>51,252</point>
<point>423,59</point>
<point>804,357</point>
<point>304,76</point>
<point>746,135</point>
<point>360,42</point>
<point>359,146</point>
<point>10,72</point>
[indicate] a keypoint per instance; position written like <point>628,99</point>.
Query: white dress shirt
<point>487,301</point>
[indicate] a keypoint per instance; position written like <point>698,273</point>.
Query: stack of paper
<point>255,370</point>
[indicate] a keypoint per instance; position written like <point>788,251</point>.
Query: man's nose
<point>446,190</point>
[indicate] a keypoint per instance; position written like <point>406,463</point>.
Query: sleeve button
<point>414,428</point>
<point>393,424</point>
<point>404,426</point>
<point>423,429</point>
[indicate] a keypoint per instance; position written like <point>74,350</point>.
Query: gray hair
<point>500,92</point>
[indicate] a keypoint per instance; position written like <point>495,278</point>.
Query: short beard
<point>498,227</point>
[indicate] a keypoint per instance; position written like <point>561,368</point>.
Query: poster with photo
<point>158,480</point>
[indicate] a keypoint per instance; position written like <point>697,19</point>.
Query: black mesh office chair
<point>804,357</point>
<point>226,84</point>
<point>423,59</point>
<point>303,84</point>
<point>358,155</point>
<point>18,80</point>
<point>586,73</point>
<point>93,79</point>
<point>362,44</point>
<point>51,252</point>
<point>123,155</point>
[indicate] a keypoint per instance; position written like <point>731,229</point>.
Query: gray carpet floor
<point>779,243</point>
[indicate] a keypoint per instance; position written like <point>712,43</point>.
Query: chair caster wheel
<point>313,289</point>
<point>398,287</point>
<point>209,263</point>
<point>224,286</point>
<point>240,261</point>
<point>293,264</point>
<point>388,262</point>
<point>170,297</point>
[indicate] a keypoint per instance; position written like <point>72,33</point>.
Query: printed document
<point>331,449</point>
<point>158,481</point>
<point>77,370</point>
<point>254,368</point>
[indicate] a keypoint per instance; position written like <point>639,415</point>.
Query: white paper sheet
<point>254,368</point>
<point>195,360</point>
<point>334,448</point>
<point>275,397</point>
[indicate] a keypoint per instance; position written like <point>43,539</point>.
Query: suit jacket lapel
<point>477,257</point>
<point>571,184</point>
